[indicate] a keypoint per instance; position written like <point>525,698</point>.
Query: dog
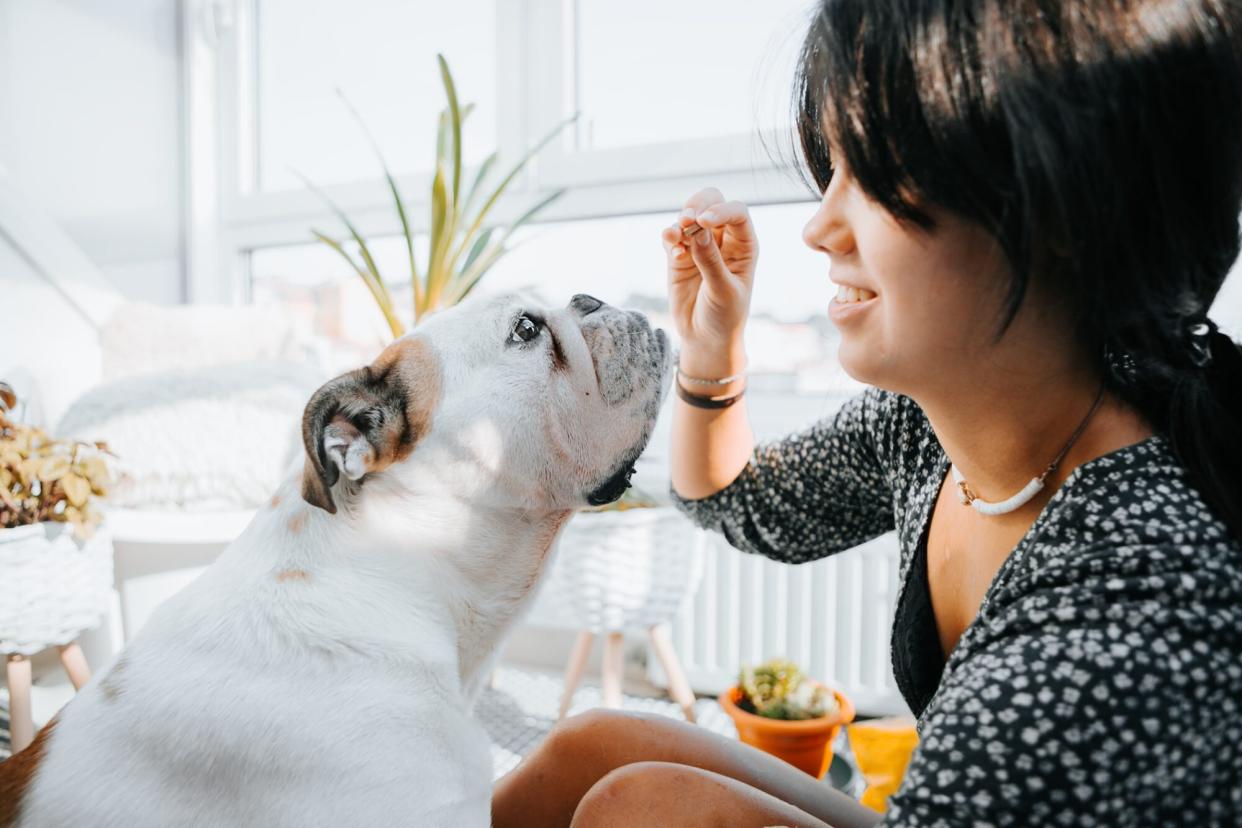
<point>322,671</point>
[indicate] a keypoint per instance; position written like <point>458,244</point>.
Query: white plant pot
<point>619,570</point>
<point>52,585</point>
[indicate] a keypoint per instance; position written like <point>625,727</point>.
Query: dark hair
<point>1099,142</point>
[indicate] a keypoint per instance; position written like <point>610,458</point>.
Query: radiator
<point>833,617</point>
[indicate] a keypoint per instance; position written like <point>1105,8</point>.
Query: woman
<point>1029,207</point>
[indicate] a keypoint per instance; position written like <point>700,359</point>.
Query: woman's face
<point>937,295</point>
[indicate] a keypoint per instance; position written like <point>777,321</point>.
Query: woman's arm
<point>819,491</point>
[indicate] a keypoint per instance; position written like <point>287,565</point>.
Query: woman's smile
<point>849,302</point>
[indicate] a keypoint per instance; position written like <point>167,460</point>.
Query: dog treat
<point>691,230</point>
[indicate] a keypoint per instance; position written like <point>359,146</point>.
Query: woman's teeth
<point>847,294</point>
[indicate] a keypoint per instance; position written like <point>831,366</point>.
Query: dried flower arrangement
<point>42,479</point>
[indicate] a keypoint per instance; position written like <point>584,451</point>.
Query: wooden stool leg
<point>573,671</point>
<point>678,687</point>
<point>75,664</point>
<point>21,722</point>
<point>614,665</point>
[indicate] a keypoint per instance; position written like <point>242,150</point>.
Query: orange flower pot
<point>805,744</point>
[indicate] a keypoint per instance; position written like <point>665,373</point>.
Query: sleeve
<point>816,492</point>
<point>1067,710</point>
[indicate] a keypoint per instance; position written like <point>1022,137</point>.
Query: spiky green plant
<point>463,246</point>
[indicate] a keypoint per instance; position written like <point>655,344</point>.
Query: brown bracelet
<point>707,402</point>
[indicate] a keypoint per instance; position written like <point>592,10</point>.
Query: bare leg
<point>551,782</point>
<point>660,793</point>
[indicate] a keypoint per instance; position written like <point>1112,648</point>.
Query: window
<point>380,54</point>
<point>264,107</point>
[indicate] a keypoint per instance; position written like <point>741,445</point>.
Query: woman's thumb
<point>706,254</point>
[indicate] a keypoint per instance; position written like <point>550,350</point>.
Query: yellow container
<point>882,749</point>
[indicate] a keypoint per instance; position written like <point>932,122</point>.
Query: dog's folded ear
<point>366,420</point>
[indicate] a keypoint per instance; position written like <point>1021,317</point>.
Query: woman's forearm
<point>710,446</point>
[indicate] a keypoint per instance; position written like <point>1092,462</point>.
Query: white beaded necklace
<point>983,507</point>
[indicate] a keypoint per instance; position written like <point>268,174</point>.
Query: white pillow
<point>204,439</point>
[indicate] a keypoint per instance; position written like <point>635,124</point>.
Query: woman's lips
<point>842,311</point>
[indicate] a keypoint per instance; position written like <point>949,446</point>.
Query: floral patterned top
<point>1100,684</point>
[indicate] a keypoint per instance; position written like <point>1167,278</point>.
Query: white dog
<point>322,671</point>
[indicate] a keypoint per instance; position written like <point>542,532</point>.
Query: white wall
<point>90,126</point>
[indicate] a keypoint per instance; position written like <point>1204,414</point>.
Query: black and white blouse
<point>1100,684</point>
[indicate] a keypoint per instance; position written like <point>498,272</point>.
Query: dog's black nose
<point>585,303</point>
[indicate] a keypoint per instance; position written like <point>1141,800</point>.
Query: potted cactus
<point>780,711</point>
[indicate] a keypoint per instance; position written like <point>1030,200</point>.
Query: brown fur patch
<point>18,772</point>
<point>409,364</point>
<point>275,501</point>
<point>110,685</point>
<point>390,402</point>
<point>297,522</point>
<point>292,575</point>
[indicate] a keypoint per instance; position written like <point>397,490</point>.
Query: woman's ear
<point>368,419</point>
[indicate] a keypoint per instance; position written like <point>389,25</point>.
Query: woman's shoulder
<point>1129,528</point>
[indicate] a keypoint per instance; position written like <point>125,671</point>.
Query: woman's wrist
<point>712,364</point>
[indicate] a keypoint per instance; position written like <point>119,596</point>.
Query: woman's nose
<point>828,229</point>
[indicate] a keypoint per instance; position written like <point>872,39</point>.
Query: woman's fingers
<point>706,255</point>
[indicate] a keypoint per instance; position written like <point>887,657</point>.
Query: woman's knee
<point>594,733</point>
<point>653,789</point>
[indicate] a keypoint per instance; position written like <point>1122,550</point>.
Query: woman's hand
<point>710,275</point>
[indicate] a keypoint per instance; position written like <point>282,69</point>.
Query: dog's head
<point>503,399</point>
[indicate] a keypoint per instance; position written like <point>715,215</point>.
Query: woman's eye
<point>525,330</point>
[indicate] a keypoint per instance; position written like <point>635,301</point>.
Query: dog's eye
<point>525,329</point>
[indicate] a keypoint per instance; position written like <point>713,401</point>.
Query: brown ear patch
<point>18,772</point>
<point>373,417</point>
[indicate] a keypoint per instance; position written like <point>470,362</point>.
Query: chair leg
<point>75,664</point>
<point>678,686</point>
<point>614,664</point>
<point>21,721</point>
<point>573,671</point>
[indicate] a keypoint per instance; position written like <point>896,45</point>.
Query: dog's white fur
<point>322,671</point>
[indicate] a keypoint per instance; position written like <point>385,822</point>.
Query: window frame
<point>226,217</point>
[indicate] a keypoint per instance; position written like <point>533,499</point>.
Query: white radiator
<point>833,617</point>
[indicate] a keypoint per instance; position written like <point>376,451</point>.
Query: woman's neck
<point>1005,430</point>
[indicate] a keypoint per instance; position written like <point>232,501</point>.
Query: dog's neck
<point>437,557</point>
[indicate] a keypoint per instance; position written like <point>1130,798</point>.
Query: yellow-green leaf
<point>53,468</point>
<point>76,489</point>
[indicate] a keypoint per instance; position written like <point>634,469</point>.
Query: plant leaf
<point>481,216</point>
<point>439,220</point>
<point>415,281</point>
<point>76,489</point>
<point>382,299</point>
<point>484,168</point>
<point>54,468</point>
<point>363,250</point>
<point>450,91</point>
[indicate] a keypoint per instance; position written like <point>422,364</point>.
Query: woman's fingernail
<point>703,239</point>
<point>677,251</point>
<point>707,214</point>
<point>688,213</point>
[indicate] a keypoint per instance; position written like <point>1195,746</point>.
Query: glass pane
<point>651,71</point>
<point>381,55</point>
